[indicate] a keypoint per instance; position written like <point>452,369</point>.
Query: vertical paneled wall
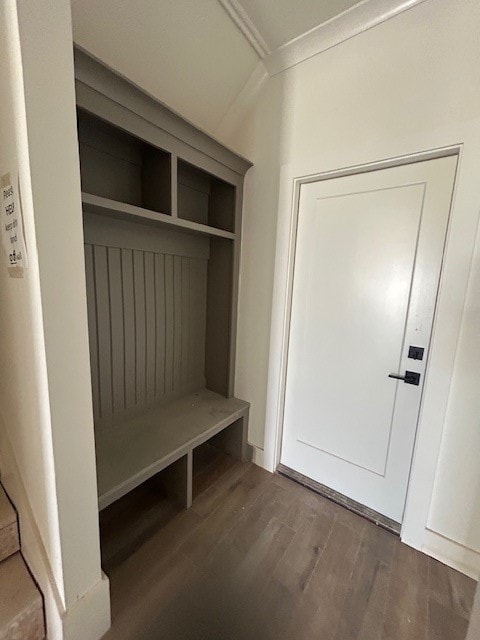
<point>147,314</point>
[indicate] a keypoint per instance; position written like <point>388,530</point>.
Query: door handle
<point>410,377</point>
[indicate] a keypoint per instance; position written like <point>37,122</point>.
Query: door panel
<point>357,282</point>
<point>368,256</point>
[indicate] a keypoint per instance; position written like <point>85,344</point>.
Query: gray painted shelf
<point>137,449</point>
<point>124,211</point>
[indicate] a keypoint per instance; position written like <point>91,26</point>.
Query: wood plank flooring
<point>259,557</point>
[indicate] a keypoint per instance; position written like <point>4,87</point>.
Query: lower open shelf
<point>137,449</point>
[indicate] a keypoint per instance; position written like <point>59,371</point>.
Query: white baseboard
<point>447,551</point>
<point>89,617</point>
<point>452,553</point>
<point>259,457</point>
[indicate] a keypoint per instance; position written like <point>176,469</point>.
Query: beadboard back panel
<point>146,316</point>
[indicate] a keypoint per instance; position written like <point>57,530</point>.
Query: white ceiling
<point>279,21</point>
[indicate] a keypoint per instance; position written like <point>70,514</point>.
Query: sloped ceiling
<point>186,53</point>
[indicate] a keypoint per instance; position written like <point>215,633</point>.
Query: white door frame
<point>442,350</point>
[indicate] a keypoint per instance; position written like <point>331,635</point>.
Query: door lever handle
<point>410,377</point>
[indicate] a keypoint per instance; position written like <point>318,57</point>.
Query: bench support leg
<point>177,480</point>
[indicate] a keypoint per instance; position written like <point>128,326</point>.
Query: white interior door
<point>367,265</point>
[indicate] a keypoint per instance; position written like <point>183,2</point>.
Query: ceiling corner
<point>353,21</point>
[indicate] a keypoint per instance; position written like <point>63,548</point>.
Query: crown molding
<point>246,26</point>
<point>355,20</point>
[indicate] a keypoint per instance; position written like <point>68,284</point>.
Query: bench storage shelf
<point>162,227</point>
<point>138,449</point>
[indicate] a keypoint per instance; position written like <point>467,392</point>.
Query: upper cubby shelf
<point>204,198</point>
<point>125,177</point>
<point>124,211</point>
<point>120,167</point>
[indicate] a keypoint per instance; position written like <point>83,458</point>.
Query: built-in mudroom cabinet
<point>162,218</point>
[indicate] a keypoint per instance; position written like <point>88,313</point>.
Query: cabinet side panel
<point>219,314</point>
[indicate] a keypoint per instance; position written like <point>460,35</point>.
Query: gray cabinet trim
<point>96,76</point>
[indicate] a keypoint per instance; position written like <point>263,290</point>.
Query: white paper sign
<point>12,228</point>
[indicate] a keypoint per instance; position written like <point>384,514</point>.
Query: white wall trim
<point>259,457</point>
<point>246,26</point>
<point>451,553</point>
<point>359,18</point>
<point>242,104</point>
<point>89,617</point>
<point>362,16</point>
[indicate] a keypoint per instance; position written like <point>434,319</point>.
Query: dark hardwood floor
<point>259,557</point>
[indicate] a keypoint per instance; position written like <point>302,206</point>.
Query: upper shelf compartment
<point>204,198</point>
<point>120,167</point>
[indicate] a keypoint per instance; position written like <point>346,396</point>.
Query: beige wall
<point>46,423</point>
<point>260,141</point>
<point>406,86</point>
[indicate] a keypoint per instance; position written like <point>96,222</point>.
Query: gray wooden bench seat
<point>132,452</point>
